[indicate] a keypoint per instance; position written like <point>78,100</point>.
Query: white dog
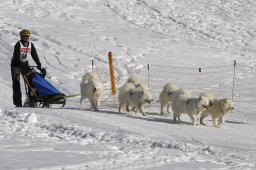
<point>132,82</point>
<point>194,107</point>
<point>218,109</point>
<point>123,96</point>
<point>92,88</point>
<point>138,97</point>
<point>166,97</point>
<point>126,97</point>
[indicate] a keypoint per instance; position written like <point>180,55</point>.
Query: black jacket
<point>16,62</point>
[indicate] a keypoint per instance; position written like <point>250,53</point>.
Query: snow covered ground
<point>69,34</point>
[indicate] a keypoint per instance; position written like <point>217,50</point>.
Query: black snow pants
<point>17,96</point>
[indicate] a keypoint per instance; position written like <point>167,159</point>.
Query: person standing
<point>22,49</point>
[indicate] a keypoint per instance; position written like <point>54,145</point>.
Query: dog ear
<point>211,102</point>
<point>227,99</point>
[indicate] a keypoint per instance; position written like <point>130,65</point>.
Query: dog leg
<point>121,104</point>
<point>179,117</point>
<point>174,118</point>
<point>168,108</point>
<point>215,121</point>
<point>141,109</point>
<point>198,116</point>
<point>162,109</point>
<point>81,100</point>
<point>193,119</point>
<point>94,105</point>
<point>119,109</point>
<point>127,107</point>
<point>95,108</point>
<point>135,110</point>
<point>221,120</point>
<point>143,112</point>
<point>203,116</point>
<point>98,102</point>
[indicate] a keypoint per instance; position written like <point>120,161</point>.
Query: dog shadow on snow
<point>152,119</point>
<point>165,118</point>
<point>235,122</point>
<point>148,117</point>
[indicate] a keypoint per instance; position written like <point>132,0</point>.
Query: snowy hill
<point>69,34</point>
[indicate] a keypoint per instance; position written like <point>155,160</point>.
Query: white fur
<point>138,97</point>
<point>194,107</point>
<point>134,80</point>
<point>209,95</point>
<point>181,91</point>
<point>125,97</point>
<point>166,97</point>
<point>92,88</point>
<point>218,109</point>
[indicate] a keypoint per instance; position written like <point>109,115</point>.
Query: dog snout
<point>94,89</point>
<point>149,100</point>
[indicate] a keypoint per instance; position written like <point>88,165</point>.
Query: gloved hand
<point>43,71</point>
<point>39,67</point>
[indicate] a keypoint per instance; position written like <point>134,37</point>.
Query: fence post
<point>92,64</point>
<point>112,75</point>
<point>234,75</point>
<point>148,75</point>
